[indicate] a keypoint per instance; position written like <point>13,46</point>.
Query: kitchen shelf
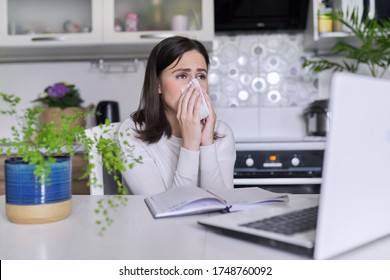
<point>335,35</point>
<point>321,43</point>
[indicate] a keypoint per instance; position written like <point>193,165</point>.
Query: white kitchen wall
<point>28,80</point>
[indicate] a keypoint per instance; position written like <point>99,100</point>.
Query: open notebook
<point>354,201</point>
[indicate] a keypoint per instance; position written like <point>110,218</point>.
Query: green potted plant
<point>59,99</point>
<point>38,167</point>
<point>372,49</point>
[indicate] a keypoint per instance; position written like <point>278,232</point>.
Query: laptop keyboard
<point>289,223</point>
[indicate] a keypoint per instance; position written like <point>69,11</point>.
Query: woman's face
<point>177,75</point>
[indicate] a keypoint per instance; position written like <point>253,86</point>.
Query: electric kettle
<point>317,117</point>
<point>107,110</point>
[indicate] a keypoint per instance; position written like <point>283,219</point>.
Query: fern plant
<point>39,144</point>
<point>373,47</point>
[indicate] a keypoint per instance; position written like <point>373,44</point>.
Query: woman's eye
<point>201,77</point>
<point>181,76</point>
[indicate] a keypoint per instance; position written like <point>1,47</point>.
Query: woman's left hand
<point>208,124</point>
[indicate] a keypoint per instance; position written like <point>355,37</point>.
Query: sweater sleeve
<point>186,173</point>
<point>217,160</point>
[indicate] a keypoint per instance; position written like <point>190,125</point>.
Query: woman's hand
<point>188,116</point>
<point>208,124</point>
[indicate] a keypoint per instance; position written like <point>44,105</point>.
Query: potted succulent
<point>59,99</point>
<point>38,167</point>
<point>372,50</point>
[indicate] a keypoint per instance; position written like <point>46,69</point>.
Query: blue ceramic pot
<point>23,189</point>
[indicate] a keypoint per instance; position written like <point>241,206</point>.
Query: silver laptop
<point>354,201</point>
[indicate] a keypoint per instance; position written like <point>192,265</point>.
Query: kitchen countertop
<point>135,234</point>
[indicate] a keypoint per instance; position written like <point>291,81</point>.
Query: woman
<point>177,147</point>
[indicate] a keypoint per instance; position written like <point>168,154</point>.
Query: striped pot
<point>31,201</point>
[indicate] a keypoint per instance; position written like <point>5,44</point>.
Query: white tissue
<point>204,110</point>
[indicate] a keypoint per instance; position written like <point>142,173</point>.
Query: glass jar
<point>325,22</point>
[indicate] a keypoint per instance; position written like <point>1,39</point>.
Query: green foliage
<point>373,49</point>
<point>115,161</point>
<point>61,95</point>
<point>39,144</point>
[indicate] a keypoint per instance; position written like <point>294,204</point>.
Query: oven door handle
<point>277,181</point>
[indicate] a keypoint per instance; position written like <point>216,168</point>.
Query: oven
<point>293,166</point>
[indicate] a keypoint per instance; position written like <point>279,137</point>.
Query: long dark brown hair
<point>151,122</point>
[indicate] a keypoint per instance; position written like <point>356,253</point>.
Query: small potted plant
<point>60,99</point>
<point>38,167</point>
<point>372,50</point>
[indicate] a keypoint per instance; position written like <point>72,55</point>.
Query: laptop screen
<point>354,200</point>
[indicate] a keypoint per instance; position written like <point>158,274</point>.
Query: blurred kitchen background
<point>256,80</point>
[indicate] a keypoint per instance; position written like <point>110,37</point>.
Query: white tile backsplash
<point>258,85</point>
<point>260,70</point>
<point>256,124</point>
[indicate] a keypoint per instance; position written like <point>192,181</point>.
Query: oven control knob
<point>295,161</point>
<point>249,162</point>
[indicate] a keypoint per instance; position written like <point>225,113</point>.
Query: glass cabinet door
<point>137,20</point>
<point>50,22</point>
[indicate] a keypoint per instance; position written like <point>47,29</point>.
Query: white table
<point>136,235</point>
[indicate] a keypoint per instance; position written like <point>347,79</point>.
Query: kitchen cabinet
<point>150,20</point>
<point>36,30</point>
<point>321,33</point>
<point>50,23</point>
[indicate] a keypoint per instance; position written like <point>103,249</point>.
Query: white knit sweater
<point>166,164</point>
